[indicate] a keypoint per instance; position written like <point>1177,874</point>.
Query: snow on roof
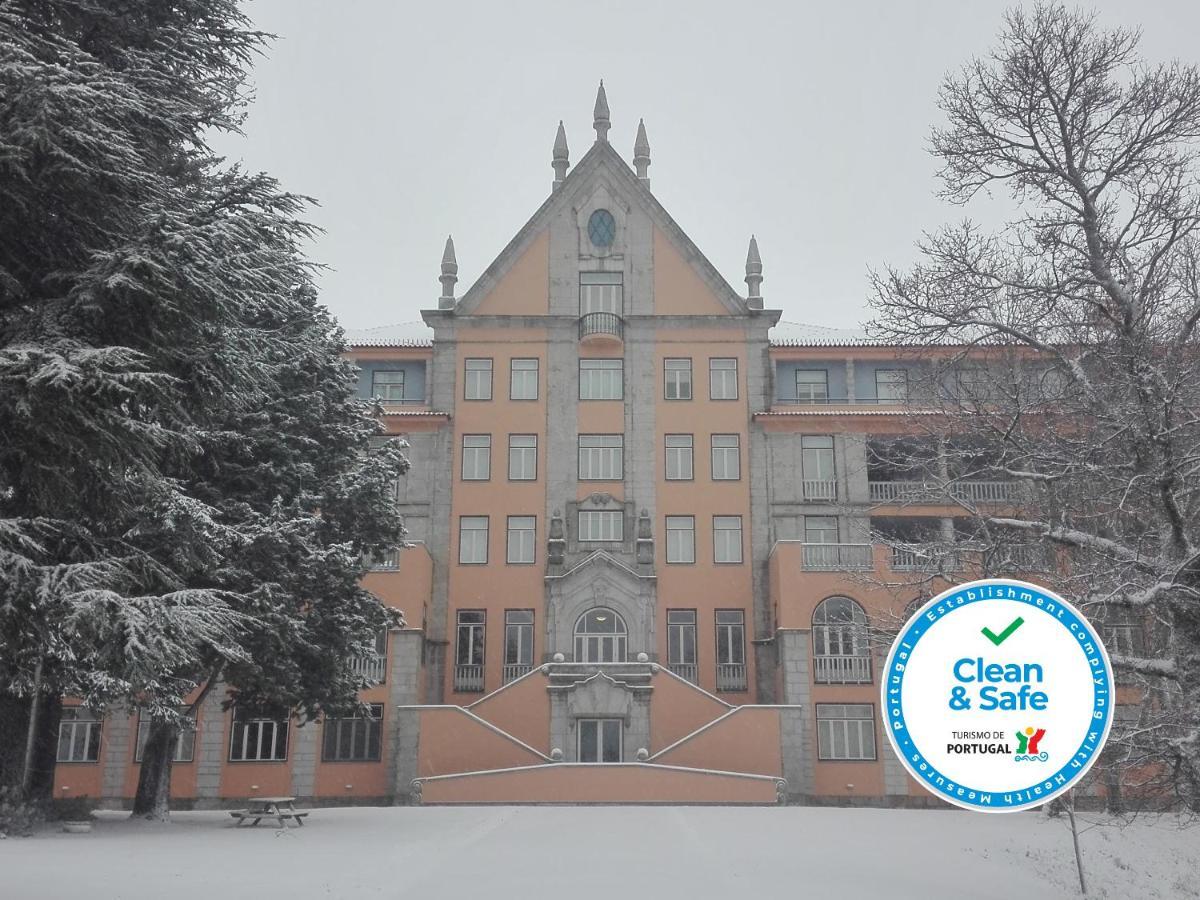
<point>797,334</point>
<point>401,334</point>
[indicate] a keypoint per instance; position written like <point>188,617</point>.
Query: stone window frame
<point>600,502</point>
<point>868,720</point>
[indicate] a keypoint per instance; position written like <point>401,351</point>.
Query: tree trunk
<point>153,798</point>
<point>35,705</point>
<point>1070,806</point>
<point>1185,636</point>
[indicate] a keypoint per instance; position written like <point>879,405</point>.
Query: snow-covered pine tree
<point>1079,322</point>
<point>186,491</point>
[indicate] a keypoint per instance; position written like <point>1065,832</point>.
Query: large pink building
<point>641,565</point>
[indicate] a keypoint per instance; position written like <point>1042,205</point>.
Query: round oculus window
<point>602,228</point>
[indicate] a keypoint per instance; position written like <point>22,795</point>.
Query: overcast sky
<point>806,123</point>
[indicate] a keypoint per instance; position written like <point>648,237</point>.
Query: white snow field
<point>602,852</point>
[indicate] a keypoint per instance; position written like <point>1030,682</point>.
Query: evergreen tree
<point>186,487</point>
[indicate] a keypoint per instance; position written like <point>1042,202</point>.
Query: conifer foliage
<point>187,489</point>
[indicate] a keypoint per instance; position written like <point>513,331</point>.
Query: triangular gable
<point>524,289</point>
<point>601,155</point>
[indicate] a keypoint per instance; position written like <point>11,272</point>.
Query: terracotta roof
<point>797,334</point>
<point>401,334</point>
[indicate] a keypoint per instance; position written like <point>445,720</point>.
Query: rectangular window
<point>601,379</point>
<point>727,539</point>
<point>518,643</point>
<point>677,379</point>
<point>816,457</point>
<point>601,457</point>
<point>681,640</point>
<point>478,382</point>
<point>722,379</point>
<point>523,379</point>
<point>185,742</point>
<point>468,650</point>
<point>601,525</point>
<point>522,534</point>
<point>820,529</point>
<point>818,474</point>
<point>354,738</point>
<point>601,292</point>
<point>726,457</point>
<point>845,731</point>
<point>522,457</point>
<point>258,735</point>
<point>731,650</point>
<point>681,539</point>
<point>599,740</point>
<point>473,540</point>
<point>679,457</point>
<point>388,386</point>
<point>78,735</point>
<point>812,385</point>
<point>891,385</point>
<point>477,457</point>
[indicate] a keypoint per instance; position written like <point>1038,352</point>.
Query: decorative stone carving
<point>600,696</point>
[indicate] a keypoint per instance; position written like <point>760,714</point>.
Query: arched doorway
<point>600,636</point>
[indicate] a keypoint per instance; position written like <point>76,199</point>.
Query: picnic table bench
<point>259,808</point>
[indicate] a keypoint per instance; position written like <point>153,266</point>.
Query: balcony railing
<point>684,670</point>
<point>603,324</point>
<point>819,489</point>
<point>841,401</point>
<point>731,676</point>
<point>373,668</point>
<point>513,671</point>
<point>837,557</point>
<point>468,678</point>
<point>842,669</point>
<point>967,491</point>
<point>924,558</point>
<point>388,561</point>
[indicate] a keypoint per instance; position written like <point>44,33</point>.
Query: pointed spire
<point>449,276</point>
<point>560,160</point>
<point>754,277</point>
<point>641,153</point>
<point>600,120</point>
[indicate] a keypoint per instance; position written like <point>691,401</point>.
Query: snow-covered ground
<point>602,852</point>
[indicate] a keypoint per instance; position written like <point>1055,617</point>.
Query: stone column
<point>402,720</point>
<point>118,751</point>
<point>211,749</point>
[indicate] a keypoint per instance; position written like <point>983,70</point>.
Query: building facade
<point>644,560</point>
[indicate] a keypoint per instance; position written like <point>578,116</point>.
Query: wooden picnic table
<point>259,808</point>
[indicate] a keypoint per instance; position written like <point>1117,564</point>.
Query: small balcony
<point>468,678</point>
<point>924,558</point>
<point>837,557</point>
<point>601,327</point>
<point>373,668</point>
<point>388,561</point>
<point>513,671</point>
<point>819,490</point>
<point>842,669</point>
<point>686,671</point>
<point>731,676</point>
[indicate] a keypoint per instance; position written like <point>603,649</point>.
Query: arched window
<point>841,653</point>
<point>600,636</point>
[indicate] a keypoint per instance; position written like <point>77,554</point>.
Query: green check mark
<point>1003,636</point>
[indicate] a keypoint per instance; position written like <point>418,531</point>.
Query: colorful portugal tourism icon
<point>997,695</point>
